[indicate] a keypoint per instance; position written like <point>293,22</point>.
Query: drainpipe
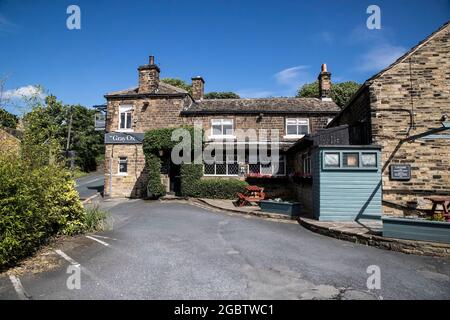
<point>110,170</point>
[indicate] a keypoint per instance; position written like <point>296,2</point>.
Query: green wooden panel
<point>346,194</point>
<point>414,229</point>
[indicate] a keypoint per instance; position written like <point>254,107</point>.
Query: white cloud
<point>23,92</point>
<point>293,77</point>
<point>288,81</point>
<point>379,57</point>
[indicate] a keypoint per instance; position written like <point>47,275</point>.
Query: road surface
<point>90,185</point>
<point>180,251</point>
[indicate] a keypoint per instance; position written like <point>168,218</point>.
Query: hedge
<point>193,186</point>
<point>191,183</point>
<point>155,187</point>
<point>35,203</point>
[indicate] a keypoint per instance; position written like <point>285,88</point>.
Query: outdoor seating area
<point>251,197</point>
<point>444,202</point>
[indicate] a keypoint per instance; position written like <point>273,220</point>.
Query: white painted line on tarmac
<point>103,237</point>
<point>18,287</point>
<point>67,258</point>
<point>90,198</point>
<point>99,241</point>
<point>87,182</point>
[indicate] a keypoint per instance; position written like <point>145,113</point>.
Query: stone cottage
<point>155,104</point>
<point>404,109</point>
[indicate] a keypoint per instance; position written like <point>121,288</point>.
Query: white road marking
<point>90,198</point>
<point>18,287</point>
<point>99,241</point>
<point>103,237</point>
<point>67,258</point>
<point>87,182</point>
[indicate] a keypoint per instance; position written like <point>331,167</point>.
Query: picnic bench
<point>444,201</point>
<point>252,195</point>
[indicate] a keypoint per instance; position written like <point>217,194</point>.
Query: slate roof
<point>163,88</point>
<point>261,105</point>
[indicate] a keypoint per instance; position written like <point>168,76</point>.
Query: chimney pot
<point>149,77</point>
<point>325,84</point>
<point>198,88</point>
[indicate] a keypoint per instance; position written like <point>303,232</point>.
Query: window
<point>350,160</point>
<point>354,160</point>
<point>274,168</point>
<point>125,113</point>
<point>369,160</point>
<point>332,160</point>
<point>296,127</point>
<point>123,165</point>
<point>307,164</point>
<point>220,168</point>
<point>222,128</point>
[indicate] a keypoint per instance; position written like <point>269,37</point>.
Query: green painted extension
<point>415,229</point>
<point>346,182</point>
<point>288,208</point>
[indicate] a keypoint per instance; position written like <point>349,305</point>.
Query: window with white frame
<point>297,127</point>
<point>229,167</point>
<point>123,165</point>
<point>125,116</point>
<point>222,128</point>
<point>274,168</point>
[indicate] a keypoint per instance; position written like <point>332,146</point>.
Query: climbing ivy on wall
<point>157,142</point>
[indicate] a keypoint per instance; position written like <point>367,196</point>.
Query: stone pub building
<point>154,104</point>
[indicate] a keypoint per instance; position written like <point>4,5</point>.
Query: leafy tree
<point>46,134</point>
<point>222,95</point>
<point>341,92</point>
<point>7,119</point>
<point>178,83</point>
<point>84,140</point>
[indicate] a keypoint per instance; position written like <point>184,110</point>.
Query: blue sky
<point>254,48</point>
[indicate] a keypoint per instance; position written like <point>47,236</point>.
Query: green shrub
<point>190,176</point>
<point>158,140</point>
<point>35,203</point>
<point>219,188</point>
<point>155,186</point>
<point>193,186</point>
<point>95,219</point>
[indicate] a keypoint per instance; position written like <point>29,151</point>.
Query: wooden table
<point>444,201</point>
<point>252,195</point>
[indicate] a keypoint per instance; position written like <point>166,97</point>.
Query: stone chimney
<point>198,88</point>
<point>149,77</point>
<point>324,84</point>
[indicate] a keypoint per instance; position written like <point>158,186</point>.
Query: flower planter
<point>281,207</point>
<point>416,229</point>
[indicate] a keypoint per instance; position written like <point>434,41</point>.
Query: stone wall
<point>8,142</point>
<point>135,182</point>
<point>418,86</point>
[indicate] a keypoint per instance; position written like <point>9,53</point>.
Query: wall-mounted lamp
<point>259,117</point>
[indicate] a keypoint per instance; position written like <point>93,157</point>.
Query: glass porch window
<point>350,159</point>
<point>230,167</point>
